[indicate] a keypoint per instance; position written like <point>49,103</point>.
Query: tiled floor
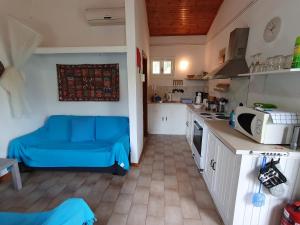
<point>165,189</point>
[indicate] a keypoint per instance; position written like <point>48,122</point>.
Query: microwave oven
<point>259,126</point>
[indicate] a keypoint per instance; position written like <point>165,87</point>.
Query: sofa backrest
<point>108,128</point>
<point>111,127</point>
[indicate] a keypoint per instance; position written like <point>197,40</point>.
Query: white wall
<point>137,36</point>
<point>62,22</point>
<point>179,48</point>
<point>281,90</point>
<point>42,94</point>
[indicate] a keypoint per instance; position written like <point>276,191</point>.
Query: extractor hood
<point>236,63</point>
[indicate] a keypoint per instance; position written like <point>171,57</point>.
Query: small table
<point>12,166</point>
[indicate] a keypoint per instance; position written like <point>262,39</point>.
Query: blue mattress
<point>73,211</point>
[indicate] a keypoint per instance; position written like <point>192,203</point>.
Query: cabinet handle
<point>211,163</point>
<point>166,118</point>
<point>162,119</point>
<point>213,166</point>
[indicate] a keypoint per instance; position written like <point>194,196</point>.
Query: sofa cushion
<point>58,128</point>
<point>111,128</point>
<point>83,129</point>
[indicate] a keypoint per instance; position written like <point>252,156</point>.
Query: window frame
<point>162,60</point>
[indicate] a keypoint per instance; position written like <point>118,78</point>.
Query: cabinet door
<point>175,119</point>
<point>156,119</point>
<point>189,126</point>
<point>223,180</point>
<point>210,155</point>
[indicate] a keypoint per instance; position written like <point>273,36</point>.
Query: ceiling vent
<point>105,17</point>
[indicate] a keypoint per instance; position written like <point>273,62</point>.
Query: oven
<point>197,136</point>
<point>199,143</point>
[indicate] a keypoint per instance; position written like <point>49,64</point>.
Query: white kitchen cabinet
<point>167,118</point>
<point>189,126</point>
<point>220,175</point>
<point>232,180</point>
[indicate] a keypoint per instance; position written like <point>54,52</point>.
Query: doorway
<point>145,96</point>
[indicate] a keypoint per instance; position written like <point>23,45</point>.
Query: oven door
<point>197,137</point>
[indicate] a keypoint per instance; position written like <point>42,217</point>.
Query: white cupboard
<point>232,180</point>
<point>167,118</point>
<point>189,126</point>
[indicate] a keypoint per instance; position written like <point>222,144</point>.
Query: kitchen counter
<point>239,143</point>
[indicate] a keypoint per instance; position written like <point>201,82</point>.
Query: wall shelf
<point>196,79</point>
<point>275,72</point>
<point>78,50</point>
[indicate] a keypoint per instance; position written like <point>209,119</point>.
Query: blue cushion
<point>58,128</point>
<point>111,128</point>
<point>83,129</point>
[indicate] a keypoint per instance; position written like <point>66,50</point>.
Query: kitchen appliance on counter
<point>273,127</point>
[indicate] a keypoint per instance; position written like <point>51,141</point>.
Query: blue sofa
<point>75,142</point>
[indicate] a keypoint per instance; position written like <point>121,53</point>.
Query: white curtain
<point>23,42</point>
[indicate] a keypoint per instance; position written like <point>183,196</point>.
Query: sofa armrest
<point>124,140</point>
<point>20,143</point>
<point>121,149</point>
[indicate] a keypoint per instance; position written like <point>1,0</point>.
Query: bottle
<point>232,119</point>
<point>296,58</point>
<point>198,98</point>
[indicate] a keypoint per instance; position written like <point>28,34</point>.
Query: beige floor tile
<point>111,194</point>
<point>137,215</point>
<point>189,208</point>
<point>123,203</point>
<point>173,215</point>
<point>129,187</point>
<point>158,175</point>
<point>141,195</point>
<point>172,198</point>
<point>210,217</point>
<point>117,219</point>
<point>155,220</point>
<point>171,182</point>
<point>204,199</point>
<point>156,206</point>
<point>193,222</point>
<point>144,180</point>
<point>157,187</point>
<point>104,212</point>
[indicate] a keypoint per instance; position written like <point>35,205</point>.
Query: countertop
<point>239,143</point>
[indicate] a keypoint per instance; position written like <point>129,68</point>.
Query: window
<point>162,67</point>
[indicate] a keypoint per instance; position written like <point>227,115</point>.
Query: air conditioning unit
<point>107,16</point>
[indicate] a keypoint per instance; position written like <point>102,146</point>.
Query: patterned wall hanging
<point>88,82</point>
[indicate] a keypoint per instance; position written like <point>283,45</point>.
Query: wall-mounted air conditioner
<point>107,16</point>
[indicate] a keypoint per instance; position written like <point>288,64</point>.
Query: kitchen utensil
<point>278,191</point>
<point>198,98</point>
<point>258,199</point>
<point>169,96</point>
<point>288,62</point>
<point>295,138</point>
<point>270,176</point>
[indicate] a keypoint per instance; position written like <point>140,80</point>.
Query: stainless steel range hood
<point>236,63</point>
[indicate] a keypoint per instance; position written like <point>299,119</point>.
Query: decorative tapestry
<point>88,82</point>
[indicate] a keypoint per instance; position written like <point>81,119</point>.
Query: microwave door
<point>245,120</point>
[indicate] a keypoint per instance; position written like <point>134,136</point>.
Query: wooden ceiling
<point>181,17</point>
